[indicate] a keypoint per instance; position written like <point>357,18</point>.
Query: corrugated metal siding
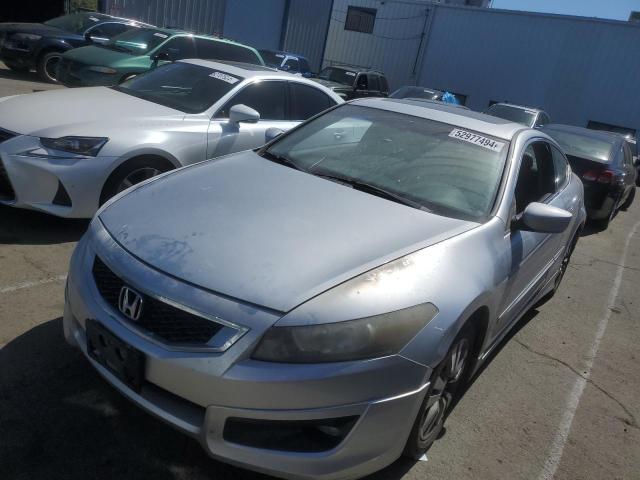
<point>394,45</point>
<point>578,69</point>
<point>201,16</point>
<point>255,22</point>
<point>306,29</point>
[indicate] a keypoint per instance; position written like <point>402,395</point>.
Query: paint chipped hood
<point>264,233</point>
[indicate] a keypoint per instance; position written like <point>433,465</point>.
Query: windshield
<point>338,75</point>
<point>447,170</point>
<point>138,41</point>
<point>271,59</point>
<point>416,92</point>
<point>581,146</point>
<point>76,22</point>
<point>513,114</point>
<point>182,86</point>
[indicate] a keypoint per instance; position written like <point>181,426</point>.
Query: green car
<point>136,51</point>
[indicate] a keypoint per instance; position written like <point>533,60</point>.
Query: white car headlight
<point>79,145</point>
<point>369,337</point>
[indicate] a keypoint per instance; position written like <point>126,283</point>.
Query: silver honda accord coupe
<point>65,152</point>
<point>310,309</point>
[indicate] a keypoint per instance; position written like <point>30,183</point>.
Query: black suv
<point>25,46</point>
<point>351,82</point>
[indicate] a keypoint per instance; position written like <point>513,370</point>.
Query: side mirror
<point>242,113</point>
<point>160,56</point>
<point>543,218</point>
<point>636,161</point>
<point>272,133</point>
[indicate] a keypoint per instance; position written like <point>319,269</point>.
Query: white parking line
<point>557,446</point>
<point>37,283</point>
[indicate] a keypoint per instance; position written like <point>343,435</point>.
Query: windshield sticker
<point>351,74</point>
<point>476,139</point>
<point>161,35</point>
<point>224,77</point>
<point>94,19</point>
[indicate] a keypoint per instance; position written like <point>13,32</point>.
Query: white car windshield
<point>182,86</point>
<point>432,165</point>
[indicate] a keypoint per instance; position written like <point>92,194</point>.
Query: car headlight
<point>103,70</point>
<point>24,37</point>
<point>368,337</point>
<point>78,145</point>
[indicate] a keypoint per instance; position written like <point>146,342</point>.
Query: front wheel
<point>132,172</point>
<point>48,66</point>
<point>444,384</point>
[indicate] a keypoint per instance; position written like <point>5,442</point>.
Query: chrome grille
<point>159,320</point>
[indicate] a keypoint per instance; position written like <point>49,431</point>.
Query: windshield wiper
<point>287,162</point>
<point>373,189</point>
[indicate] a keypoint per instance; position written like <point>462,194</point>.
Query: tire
<point>132,172</point>
<point>603,223</point>
<point>16,67</point>
<point>47,65</point>
<point>565,262</point>
<point>627,203</point>
<point>445,384</point>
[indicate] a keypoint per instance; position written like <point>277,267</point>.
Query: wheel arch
<point>170,162</point>
<point>52,47</point>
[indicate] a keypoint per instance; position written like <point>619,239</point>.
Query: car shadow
<point>27,227</point>
<point>526,318</point>
<point>30,76</point>
<point>59,419</point>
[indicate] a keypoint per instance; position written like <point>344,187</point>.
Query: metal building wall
<point>577,68</point>
<point>255,22</point>
<point>306,29</point>
<point>395,46</point>
<point>201,16</point>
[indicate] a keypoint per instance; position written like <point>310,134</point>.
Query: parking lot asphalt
<point>559,399</point>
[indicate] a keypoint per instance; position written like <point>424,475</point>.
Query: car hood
<point>263,233</point>
<point>33,28</point>
<point>73,111</point>
<point>97,56</point>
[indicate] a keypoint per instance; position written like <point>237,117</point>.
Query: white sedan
<point>66,152</point>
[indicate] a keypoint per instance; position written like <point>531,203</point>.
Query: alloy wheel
<point>137,176</point>
<point>442,391</point>
<point>51,67</point>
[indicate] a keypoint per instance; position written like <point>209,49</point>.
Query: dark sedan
<point>606,165</point>
<point>26,46</point>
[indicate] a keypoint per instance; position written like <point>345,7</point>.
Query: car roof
<point>281,52</point>
<point>521,107</point>
<point>354,69</point>
<point>104,18</point>
<point>447,113</point>
<point>417,100</point>
<point>245,70</point>
<point>611,137</point>
<point>173,32</point>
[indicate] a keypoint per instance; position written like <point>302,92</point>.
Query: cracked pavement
<point>59,420</point>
